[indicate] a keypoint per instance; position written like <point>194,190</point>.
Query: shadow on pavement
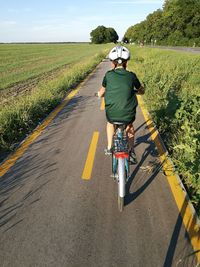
<point>186,258</point>
<point>156,167</point>
<point>23,184</point>
<point>72,110</point>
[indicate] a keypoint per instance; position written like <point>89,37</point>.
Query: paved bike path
<point>50,216</point>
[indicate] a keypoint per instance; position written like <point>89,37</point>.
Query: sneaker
<point>132,157</point>
<point>108,151</point>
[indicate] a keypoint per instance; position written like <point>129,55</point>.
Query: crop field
<point>19,62</point>
<point>20,113</point>
<point>173,98</point>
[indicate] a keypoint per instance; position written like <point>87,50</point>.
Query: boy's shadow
<point>154,168</point>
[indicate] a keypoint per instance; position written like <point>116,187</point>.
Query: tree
<point>98,35</point>
<point>125,40</point>
<point>178,23</point>
<point>102,35</point>
<point>111,35</point>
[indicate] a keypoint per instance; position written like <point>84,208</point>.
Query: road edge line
<point>9,161</point>
<point>185,207</point>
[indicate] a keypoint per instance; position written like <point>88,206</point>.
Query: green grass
<point>22,114</point>
<point>173,98</point>
<point>19,62</point>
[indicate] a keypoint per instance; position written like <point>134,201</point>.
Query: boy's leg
<point>131,135</point>
<point>110,133</point>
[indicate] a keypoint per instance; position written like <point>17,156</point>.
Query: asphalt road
<point>50,216</point>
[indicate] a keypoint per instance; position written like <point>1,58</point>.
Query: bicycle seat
<point>118,123</point>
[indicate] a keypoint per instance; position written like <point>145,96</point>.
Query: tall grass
<point>22,115</point>
<point>173,98</point>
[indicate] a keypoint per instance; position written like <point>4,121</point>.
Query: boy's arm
<point>101,92</point>
<point>137,84</point>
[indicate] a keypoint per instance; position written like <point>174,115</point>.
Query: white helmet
<point>119,54</point>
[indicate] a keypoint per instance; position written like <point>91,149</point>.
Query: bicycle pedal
<point>114,176</point>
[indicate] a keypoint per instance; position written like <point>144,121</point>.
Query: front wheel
<point>120,203</point>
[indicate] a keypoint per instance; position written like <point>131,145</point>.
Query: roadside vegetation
<point>172,96</point>
<point>21,115</point>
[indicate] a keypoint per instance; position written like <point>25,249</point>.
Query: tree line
<point>177,23</point>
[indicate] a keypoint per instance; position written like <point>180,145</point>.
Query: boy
<point>118,87</point>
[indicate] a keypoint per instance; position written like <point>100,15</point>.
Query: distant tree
<point>98,35</point>
<point>111,35</point>
<point>125,40</point>
<point>102,35</point>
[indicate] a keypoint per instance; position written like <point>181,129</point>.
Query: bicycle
<point>120,161</point>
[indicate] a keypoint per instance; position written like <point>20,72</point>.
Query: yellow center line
<point>90,157</point>
<point>189,216</point>
<point>102,104</point>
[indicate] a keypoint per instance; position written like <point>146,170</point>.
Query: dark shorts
<point>120,120</point>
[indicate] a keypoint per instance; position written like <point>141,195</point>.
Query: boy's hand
<point>141,90</point>
<point>97,94</point>
<point>101,92</point>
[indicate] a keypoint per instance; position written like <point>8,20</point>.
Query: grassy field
<point>21,114</point>
<point>19,62</point>
<point>173,98</point>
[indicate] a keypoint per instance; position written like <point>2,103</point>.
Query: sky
<point>67,21</point>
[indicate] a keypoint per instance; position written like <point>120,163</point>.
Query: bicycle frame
<point>120,160</point>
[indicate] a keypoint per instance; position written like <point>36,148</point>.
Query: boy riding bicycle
<point>119,87</point>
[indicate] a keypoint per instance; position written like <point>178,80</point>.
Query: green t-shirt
<point>120,94</point>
